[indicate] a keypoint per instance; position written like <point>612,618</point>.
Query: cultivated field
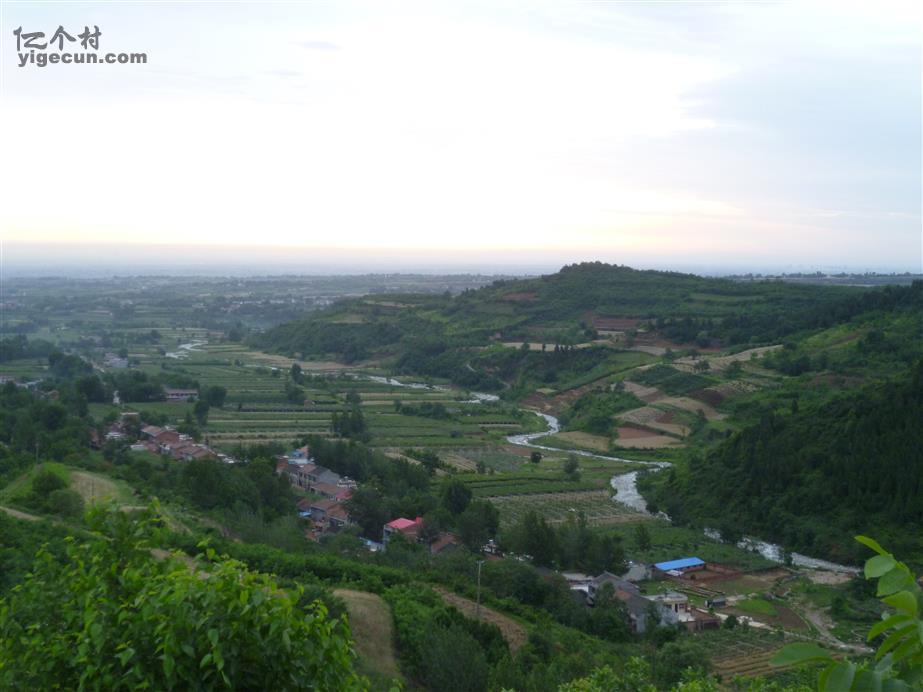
<point>596,505</point>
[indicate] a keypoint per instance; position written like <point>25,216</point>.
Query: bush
<point>112,617</point>
<point>65,502</point>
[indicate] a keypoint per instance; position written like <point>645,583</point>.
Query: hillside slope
<point>813,478</point>
<point>575,305</point>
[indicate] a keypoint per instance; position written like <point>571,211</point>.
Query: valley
<point>548,430</point>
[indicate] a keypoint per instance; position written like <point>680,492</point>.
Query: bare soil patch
<point>828,578</point>
<point>692,406</point>
<point>645,394</point>
<point>597,443</point>
<point>636,438</point>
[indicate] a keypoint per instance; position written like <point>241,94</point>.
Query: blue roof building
<point>680,565</point>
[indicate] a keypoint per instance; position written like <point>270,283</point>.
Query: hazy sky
<point>744,134</point>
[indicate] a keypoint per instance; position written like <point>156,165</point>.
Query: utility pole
<point>477,610</point>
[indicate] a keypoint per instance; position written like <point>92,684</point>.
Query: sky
<point>736,136</point>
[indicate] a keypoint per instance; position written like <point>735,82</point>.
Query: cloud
<point>319,45</point>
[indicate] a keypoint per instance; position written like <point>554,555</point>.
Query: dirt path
<point>514,633</point>
<point>823,624</point>
<point>373,630</point>
<point>16,514</point>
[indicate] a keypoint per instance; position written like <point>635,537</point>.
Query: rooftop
<point>401,523</point>
<point>682,563</point>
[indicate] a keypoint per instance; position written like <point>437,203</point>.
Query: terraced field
<point>258,410</point>
<point>745,655</point>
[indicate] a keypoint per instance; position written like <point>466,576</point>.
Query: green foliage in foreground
<point>112,616</point>
<point>898,662</point>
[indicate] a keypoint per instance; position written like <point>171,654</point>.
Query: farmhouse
<point>444,542</point>
<point>111,360</point>
<point>671,608</point>
<point>409,528</point>
<point>680,567</point>
<point>596,584</point>
<point>637,571</point>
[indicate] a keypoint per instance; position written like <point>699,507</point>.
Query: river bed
<point>626,490</point>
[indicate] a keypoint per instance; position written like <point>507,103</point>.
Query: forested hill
<point>814,478</point>
<point>568,307</point>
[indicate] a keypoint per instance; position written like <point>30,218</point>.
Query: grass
<point>673,542</point>
<point>92,487</point>
<point>373,632</point>
<point>758,606</point>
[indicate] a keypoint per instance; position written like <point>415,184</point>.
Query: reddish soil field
<point>709,396</point>
<point>558,403</point>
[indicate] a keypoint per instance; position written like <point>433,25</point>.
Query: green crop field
<point>597,506</point>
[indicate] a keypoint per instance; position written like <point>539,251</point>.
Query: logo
<point>33,49</point>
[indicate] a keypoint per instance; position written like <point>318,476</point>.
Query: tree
<point>677,656</point>
<point>533,536</point>
<point>478,523</point>
<point>295,373</point>
<point>643,540</point>
<point>46,482</point>
<point>65,503</point>
<point>454,661</point>
<point>293,393</point>
<point>113,616</point>
<point>571,467</point>
<point>455,496</point>
<point>215,395</point>
<point>200,410</point>
<point>367,508</point>
<point>535,457</point>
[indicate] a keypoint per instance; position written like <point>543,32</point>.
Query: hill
<point>811,478</point>
<point>589,306</point>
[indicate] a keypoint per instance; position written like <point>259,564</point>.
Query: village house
<point>412,530</point>
<point>637,571</point>
<point>111,360</point>
<point>636,605</point>
<point>444,542</point>
<point>679,568</point>
<point>181,394</point>
<point>671,608</point>
<point>409,528</point>
<point>169,442</point>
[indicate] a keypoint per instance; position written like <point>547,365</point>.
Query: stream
<point>625,485</point>
<point>627,493</point>
<point>185,349</point>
